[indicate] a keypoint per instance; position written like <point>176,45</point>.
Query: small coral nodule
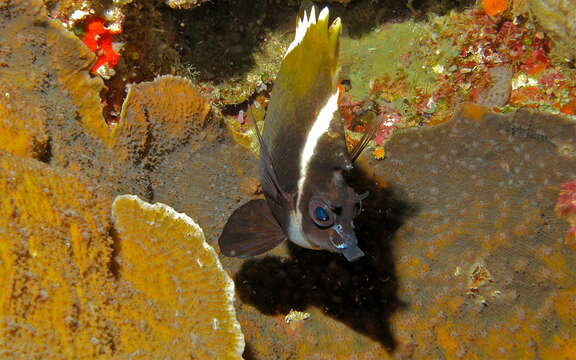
<point>566,207</point>
<point>495,7</point>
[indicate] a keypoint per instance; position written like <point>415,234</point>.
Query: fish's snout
<point>345,242</point>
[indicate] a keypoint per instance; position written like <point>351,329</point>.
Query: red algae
<point>98,38</point>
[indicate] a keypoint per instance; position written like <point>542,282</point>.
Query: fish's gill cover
<point>56,288</point>
<point>175,285</point>
<point>482,266</point>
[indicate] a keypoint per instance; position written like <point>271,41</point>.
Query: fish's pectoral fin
<point>251,230</point>
<point>375,123</point>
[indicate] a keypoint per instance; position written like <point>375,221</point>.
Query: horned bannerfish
<point>303,155</point>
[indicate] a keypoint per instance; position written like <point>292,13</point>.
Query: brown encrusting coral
<point>57,291</point>
<point>179,300</point>
<point>482,266</point>
<point>158,116</point>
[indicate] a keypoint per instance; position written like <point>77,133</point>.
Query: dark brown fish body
<point>303,156</point>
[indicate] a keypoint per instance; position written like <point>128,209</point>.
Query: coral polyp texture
<point>180,297</point>
<point>158,116</point>
<point>40,62</point>
<point>557,17</point>
<point>63,296</point>
<point>48,65</point>
<point>482,266</point>
<point>56,289</point>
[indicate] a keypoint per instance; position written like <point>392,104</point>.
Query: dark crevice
<point>114,266</point>
<point>46,154</point>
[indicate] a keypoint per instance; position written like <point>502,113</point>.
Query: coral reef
<point>157,117</point>
<point>482,267</point>
<point>465,228</point>
<point>447,276</point>
<point>557,18</point>
<point>64,296</point>
<point>417,72</point>
<point>51,107</point>
<point>179,300</point>
<point>43,72</point>
<point>566,207</point>
<point>184,4</point>
<point>55,251</point>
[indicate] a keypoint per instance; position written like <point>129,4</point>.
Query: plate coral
<point>469,228</point>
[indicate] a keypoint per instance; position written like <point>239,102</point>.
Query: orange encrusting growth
<point>178,299</point>
<point>98,39</point>
<point>495,7</point>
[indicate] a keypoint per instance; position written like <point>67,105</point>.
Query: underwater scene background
<point>127,141</point>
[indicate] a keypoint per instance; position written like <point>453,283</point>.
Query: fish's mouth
<point>345,243</point>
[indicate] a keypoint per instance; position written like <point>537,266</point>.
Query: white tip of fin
<point>303,24</point>
<point>324,14</point>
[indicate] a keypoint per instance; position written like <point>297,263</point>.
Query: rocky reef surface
<point>469,229</point>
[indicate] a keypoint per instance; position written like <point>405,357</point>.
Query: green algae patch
<point>397,51</point>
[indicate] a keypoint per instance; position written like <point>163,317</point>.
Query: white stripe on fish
<point>319,128</point>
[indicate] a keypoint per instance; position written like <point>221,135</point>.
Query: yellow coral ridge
<point>56,290</point>
<point>180,298</point>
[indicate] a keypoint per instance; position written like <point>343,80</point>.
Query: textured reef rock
<point>76,285</point>
<point>180,299</point>
<point>184,4</point>
<point>482,267</point>
<point>558,18</point>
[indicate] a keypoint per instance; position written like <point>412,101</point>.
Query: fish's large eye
<point>320,213</point>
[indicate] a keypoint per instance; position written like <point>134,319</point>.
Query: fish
<point>303,155</point>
